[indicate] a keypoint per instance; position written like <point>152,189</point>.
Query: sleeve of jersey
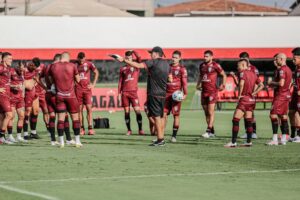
<point>148,64</point>
<point>138,57</point>
<point>218,68</point>
<point>282,74</point>
<point>258,81</point>
<point>120,81</point>
<point>75,70</point>
<point>92,66</point>
<point>184,81</point>
<point>242,77</point>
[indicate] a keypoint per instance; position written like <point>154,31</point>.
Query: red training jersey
<point>38,88</point>
<point>296,81</point>
<point>128,80</point>
<point>251,79</point>
<point>63,75</point>
<point>285,73</point>
<point>208,74</point>
<point>17,79</point>
<point>179,82</point>
<point>84,70</point>
<point>4,80</point>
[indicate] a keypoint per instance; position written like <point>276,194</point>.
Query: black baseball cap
<point>157,49</point>
<point>296,51</point>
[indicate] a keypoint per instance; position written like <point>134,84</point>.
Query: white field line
<point>152,176</point>
<point>34,194</point>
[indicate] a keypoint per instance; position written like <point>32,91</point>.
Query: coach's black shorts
<point>156,106</point>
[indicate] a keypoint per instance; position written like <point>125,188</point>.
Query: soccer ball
<point>177,96</point>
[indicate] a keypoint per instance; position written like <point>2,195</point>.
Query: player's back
<point>63,74</point>
<point>251,79</point>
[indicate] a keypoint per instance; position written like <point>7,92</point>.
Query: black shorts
<point>155,106</point>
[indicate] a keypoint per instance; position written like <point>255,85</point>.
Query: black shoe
<point>27,137</point>
<point>158,144</point>
<point>34,136</point>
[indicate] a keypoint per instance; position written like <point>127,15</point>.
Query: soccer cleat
<point>246,144</point>
<point>141,132</point>
<point>20,139</point>
<point>27,137</point>
<point>173,139</point>
<point>297,139</point>
<point>78,145</point>
<point>54,143</point>
<point>129,133</point>
<point>35,136</point>
<point>205,135</point>
<point>71,142</point>
<point>91,132</point>
<point>230,145</point>
<point>282,143</point>
<point>158,144</point>
<point>272,143</point>
<point>11,139</point>
<point>4,141</point>
<point>292,139</point>
<point>82,131</point>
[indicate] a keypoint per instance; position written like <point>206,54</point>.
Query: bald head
<point>280,60</point>
<point>65,57</point>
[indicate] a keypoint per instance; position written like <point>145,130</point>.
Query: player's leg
<point>297,124</point>
<point>249,128</point>
<point>176,107</point>
<point>44,108</point>
<point>284,127</point>
<point>72,107</point>
<point>156,110</point>
<point>5,107</point>
<point>61,109</point>
<point>152,126</point>
<point>52,117</point>
<point>26,122</point>
<point>292,119</point>
<point>205,109</point>
<point>69,140</point>
<point>127,119</point>
<point>211,114</point>
<point>34,118</point>
<point>10,125</point>
<point>254,135</point>
<point>89,117</point>
<point>139,119</point>
<point>238,114</point>
<point>21,117</point>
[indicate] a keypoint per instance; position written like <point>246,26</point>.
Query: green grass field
<point>117,167</point>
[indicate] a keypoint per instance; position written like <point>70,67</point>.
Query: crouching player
<point>246,104</point>
<point>295,102</point>
<point>179,82</point>
<point>17,101</point>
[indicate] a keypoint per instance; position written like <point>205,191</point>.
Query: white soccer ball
<point>177,96</point>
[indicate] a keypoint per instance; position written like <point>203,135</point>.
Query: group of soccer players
<point>63,88</point>
<point>60,89</point>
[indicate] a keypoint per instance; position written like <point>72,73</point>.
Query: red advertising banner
<point>106,99</point>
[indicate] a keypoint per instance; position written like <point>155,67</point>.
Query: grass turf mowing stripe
<point>153,176</point>
<point>13,189</point>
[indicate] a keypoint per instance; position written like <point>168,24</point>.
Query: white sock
<point>283,138</point>
<point>77,139</point>
<point>19,135</point>
<point>61,140</point>
<point>10,136</point>
<point>33,132</point>
<point>275,137</point>
<point>25,133</point>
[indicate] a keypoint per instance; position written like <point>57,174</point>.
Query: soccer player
<point>282,95</point>
<point>64,74</point>
<point>158,76</point>
<point>179,82</point>
<point>128,88</point>
<point>245,55</point>
<point>246,104</point>
<point>84,90</point>
<point>5,107</point>
<point>294,110</point>
<point>151,120</point>
<point>207,83</point>
<point>17,101</point>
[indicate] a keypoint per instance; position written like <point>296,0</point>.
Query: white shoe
<point>297,139</point>
<point>71,142</point>
<point>78,145</point>
<point>246,144</point>
<point>230,145</point>
<point>292,139</point>
<point>173,139</point>
<point>20,139</point>
<point>282,142</point>
<point>272,143</point>
<point>54,143</point>
<point>11,139</point>
<point>254,136</point>
<point>4,141</point>
<point>208,135</point>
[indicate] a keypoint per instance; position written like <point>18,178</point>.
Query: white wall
<point>66,32</point>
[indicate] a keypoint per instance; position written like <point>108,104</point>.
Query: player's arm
<point>77,78</point>
<point>132,63</point>
<point>96,71</point>
<point>258,88</point>
<point>120,83</point>
<point>280,83</point>
<point>184,83</point>
<point>138,58</point>
<point>38,80</point>
<point>222,86</point>
<point>199,83</point>
<point>235,78</point>
<point>241,87</point>
<point>2,90</point>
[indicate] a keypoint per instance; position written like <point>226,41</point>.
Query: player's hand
<point>120,59</point>
<point>269,81</point>
<point>170,78</point>
<point>91,86</point>
<point>198,87</point>
<point>184,97</point>
<point>222,87</point>
<point>298,92</point>
<point>240,97</point>
<point>2,90</point>
<point>232,74</point>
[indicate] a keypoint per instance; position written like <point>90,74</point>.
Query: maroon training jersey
<point>28,75</point>
<point>4,80</point>
<point>254,69</point>
<point>84,74</point>
<point>38,88</point>
<point>179,82</point>
<point>45,74</point>
<point>251,79</point>
<point>209,73</point>
<point>128,80</point>
<point>63,75</point>
<point>285,73</point>
<point>296,81</point>
<point>17,79</point>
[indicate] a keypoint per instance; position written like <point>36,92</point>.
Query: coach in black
<point>158,74</point>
